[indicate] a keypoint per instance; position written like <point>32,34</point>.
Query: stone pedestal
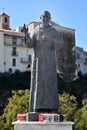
<point>26,125</point>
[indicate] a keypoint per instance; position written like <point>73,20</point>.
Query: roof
<point>4,14</point>
<point>12,32</point>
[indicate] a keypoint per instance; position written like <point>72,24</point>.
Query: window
<point>30,58</point>
<point>5,19</point>
<point>86,59</point>
<point>10,70</point>
<point>21,30</point>
<point>14,41</point>
<point>78,56</point>
<point>14,51</point>
<point>78,65</point>
<point>22,41</point>
<point>14,62</point>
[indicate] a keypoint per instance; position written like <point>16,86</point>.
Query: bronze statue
<point>44,89</point>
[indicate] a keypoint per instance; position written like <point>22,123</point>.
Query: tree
<point>68,105</point>
<point>19,102</point>
<point>81,117</point>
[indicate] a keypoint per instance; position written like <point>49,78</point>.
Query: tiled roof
<point>12,32</point>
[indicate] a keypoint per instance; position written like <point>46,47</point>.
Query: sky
<point>67,13</point>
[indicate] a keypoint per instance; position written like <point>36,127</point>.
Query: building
<point>81,60</point>
<point>15,56</point>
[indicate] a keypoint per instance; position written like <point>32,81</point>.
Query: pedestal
<point>26,125</point>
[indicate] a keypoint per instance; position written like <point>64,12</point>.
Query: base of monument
<point>34,116</point>
<point>26,125</point>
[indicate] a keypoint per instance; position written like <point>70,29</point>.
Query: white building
<point>15,56</point>
<point>81,60</point>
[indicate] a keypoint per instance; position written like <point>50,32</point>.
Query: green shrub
<point>19,102</point>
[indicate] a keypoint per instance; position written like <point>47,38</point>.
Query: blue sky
<point>68,13</point>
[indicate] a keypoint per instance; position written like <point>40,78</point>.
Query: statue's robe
<point>44,87</point>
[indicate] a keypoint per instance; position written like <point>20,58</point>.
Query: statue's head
<point>45,16</point>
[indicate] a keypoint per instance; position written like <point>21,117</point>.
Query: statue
<point>44,89</point>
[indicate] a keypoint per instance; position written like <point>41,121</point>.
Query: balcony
<point>7,43</point>
<point>14,43</point>
<point>14,53</point>
<point>26,60</point>
<point>18,44</point>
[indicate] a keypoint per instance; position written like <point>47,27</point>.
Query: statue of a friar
<point>44,88</point>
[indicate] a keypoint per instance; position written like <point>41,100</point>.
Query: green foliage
<point>68,105</point>
<point>79,89</point>
<point>18,80</point>
<point>62,85</point>
<point>71,99</point>
<point>81,117</point>
<point>19,102</point>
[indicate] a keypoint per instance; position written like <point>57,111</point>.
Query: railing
<point>14,53</point>
<point>7,43</point>
<point>80,58</point>
<point>17,44</point>
<point>25,60</point>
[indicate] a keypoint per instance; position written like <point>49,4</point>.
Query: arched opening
<point>5,19</point>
